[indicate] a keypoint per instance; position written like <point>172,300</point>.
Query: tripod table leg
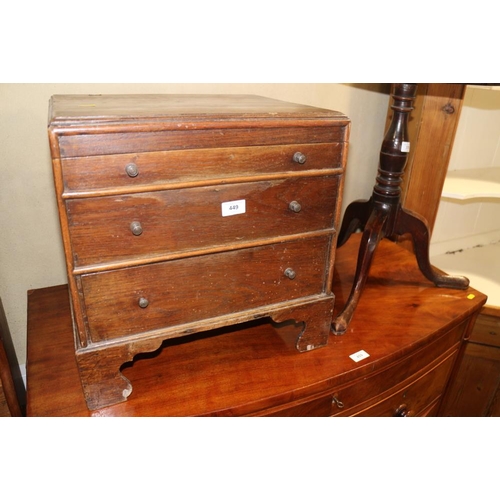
<point>408,222</point>
<point>372,234</point>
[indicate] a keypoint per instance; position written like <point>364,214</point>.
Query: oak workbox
<point>397,357</point>
<point>186,213</point>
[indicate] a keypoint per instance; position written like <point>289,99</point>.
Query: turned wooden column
<point>382,216</point>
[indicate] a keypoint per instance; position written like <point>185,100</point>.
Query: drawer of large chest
<point>138,299</point>
<point>127,227</point>
<point>415,380</point>
<point>414,399</point>
<point>137,171</point>
<point>361,395</point>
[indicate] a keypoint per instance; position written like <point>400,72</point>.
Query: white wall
<point>31,254</point>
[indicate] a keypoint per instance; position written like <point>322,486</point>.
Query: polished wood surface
<point>10,405</point>
<point>411,330</point>
<point>186,213</point>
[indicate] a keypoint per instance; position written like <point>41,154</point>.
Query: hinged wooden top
<point>68,110</point>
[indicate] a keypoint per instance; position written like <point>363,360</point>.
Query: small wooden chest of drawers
<point>184,213</point>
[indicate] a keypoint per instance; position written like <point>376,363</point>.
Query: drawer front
<point>356,396</point>
<point>316,408</point>
<point>96,144</point>
<point>143,298</point>
<point>431,411</point>
<point>414,399</point>
<point>140,170</point>
<point>127,227</point>
<point>486,330</point>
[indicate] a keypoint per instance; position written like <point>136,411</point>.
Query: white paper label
<point>405,147</point>
<point>358,356</point>
<point>233,208</point>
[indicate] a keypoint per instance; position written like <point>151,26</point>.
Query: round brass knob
<point>295,206</point>
<point>290,273</point>
<point>143,302</point>
<point>132,170</point>
<point>299,158</point>
<point>402,411</point>
<point>136,228</point>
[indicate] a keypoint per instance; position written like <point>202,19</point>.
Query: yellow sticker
<point>471,296</point>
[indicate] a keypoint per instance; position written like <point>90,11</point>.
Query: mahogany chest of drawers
<point>185,213</point>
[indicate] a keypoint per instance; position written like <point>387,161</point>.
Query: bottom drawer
<point>414,399</point>
<point>135,300</point>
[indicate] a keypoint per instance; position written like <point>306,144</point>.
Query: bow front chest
<point>185,213</point>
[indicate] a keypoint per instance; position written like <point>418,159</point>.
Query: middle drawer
<point>127,227</point>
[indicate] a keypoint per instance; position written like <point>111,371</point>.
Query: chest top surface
<point>101,109</point>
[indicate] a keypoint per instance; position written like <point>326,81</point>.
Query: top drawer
<point>92,142</point>
<point>133,172</point>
